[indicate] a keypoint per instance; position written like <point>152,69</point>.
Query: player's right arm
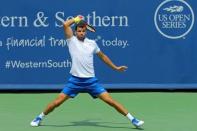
<point>67,29</point>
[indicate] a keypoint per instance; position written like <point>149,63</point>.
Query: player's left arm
<point>106,60</point>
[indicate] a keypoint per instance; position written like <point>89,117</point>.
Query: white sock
<point>42,115</point>
<point>130,117</point>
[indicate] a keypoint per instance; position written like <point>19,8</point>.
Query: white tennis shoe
<point>137,123</point>
<point>36,121</point>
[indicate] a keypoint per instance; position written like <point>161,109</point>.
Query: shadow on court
<point>94,124</point>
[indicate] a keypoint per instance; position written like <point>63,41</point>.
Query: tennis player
<point>83,78</point>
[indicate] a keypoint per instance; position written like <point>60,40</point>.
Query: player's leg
<point>70,91</point>
<point>96,90</point>
<point>108,99</point>
<point>50,107</point>
<point>57,102</point>
<point>105,96</point>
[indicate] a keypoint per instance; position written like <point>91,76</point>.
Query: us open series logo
<point>174,19</point>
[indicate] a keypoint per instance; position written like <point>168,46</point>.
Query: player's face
<point>81,33</point>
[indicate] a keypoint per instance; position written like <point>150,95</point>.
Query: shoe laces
<point>37,119</point>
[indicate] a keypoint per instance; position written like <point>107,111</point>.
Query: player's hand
<point>78,19</point>
<point>121,68</point>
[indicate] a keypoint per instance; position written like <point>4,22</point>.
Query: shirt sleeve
<point>96,49</point>
<point>69,40</point>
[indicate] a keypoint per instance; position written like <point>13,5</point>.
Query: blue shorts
<point>77,85</point>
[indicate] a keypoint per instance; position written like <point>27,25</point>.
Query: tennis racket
<point>88,26</point>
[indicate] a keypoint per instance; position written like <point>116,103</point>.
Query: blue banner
<point>155,39</point>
